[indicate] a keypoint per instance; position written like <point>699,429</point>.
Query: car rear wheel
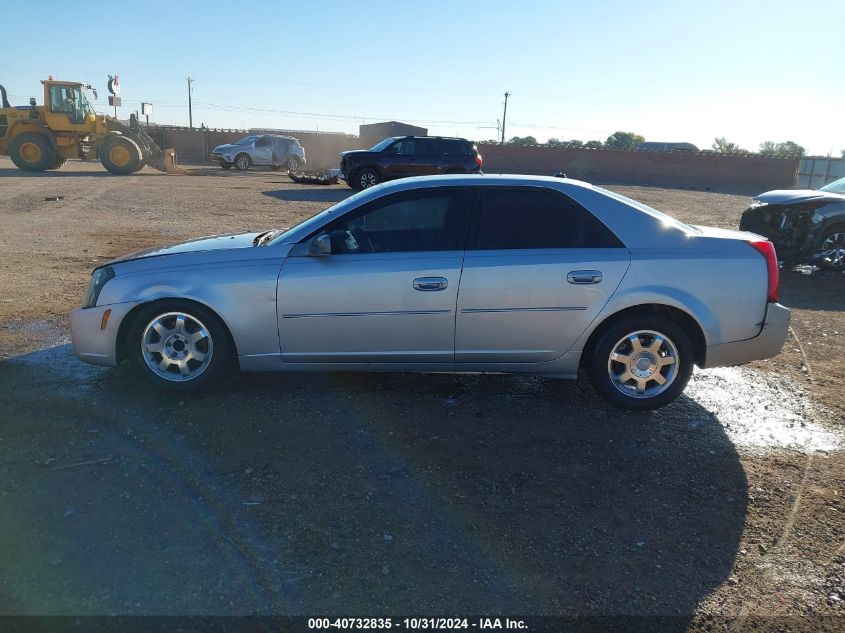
<point>831,253</point>
<point>641,363</point>
<point>366,178</point>
<point>293,164</point>
<point>242,162</point>
<point>179,345</point>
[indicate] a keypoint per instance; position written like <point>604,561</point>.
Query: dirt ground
<point>397,494</point>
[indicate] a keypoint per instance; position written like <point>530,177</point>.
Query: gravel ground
<point>389,494</point>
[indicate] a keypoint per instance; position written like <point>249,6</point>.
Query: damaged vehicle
<point>804,225</point>
<point>269,150</point>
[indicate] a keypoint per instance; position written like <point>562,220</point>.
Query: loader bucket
<point>168,163</point>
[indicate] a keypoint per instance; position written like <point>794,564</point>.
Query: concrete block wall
<point>320,149</point>
<point>694,170</point>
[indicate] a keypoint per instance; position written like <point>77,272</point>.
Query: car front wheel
<point>641,363</point>
<point>831,253</point>
<point>366,178</point>
<point>179,345</point>
<point>242,162</point>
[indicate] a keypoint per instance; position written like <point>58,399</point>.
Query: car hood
<point>229,148</point>
<point>795,196</point>
<point>213,243</point>
<point>356,151</point>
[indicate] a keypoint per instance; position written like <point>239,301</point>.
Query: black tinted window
<point>433,220</point>
<point>454,147</point>
<point>536,218</point>
<point>428,147</point>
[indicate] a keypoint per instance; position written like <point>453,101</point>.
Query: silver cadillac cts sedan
<point>470,273</point>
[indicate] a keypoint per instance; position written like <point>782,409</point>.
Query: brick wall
<point>696,170</point>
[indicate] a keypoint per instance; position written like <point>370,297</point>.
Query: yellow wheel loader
<point>38,138</point>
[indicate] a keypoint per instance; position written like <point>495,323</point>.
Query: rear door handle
<point>584,277</point>
<point>431,283</point>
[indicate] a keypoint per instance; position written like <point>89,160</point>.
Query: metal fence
<point>817,171</point>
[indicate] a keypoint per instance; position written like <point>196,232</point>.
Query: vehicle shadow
<point>61,173</point>
<point>311,193</point>
<point>362,493</point>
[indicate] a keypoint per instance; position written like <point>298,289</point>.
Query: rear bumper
<point>91,342</point>
<point>765,345</point>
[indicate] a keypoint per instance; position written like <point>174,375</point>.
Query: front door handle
<point>431,283</point>
<point>584,277</point>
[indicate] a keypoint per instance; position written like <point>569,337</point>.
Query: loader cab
<point>66,106</point>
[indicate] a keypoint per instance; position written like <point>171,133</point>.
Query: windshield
<point>837,186</point>
<point>246,140</point>
<point>383,144</point>
<point>313,222</point>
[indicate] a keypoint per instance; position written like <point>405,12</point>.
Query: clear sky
<point>671,70</point>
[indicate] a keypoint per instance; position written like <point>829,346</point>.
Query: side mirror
<point>320,246</point>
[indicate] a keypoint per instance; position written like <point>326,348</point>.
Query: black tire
<point>218,344</point>
<point>837,261</point>
<point>57,163</point>
<point>599,364</point>
<point>225,165</point>
<point>242,162</point>
<point>365,178</point>
<point>32,151</point>
<point>120,155</point>
<point>293,164</point>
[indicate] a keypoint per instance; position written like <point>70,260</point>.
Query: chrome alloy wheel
<point>242,162</point>
<point>643,364</point>
<point>293,165</point>
<point>832,251</point>
<point>176,346</point>
<point>368,179</point>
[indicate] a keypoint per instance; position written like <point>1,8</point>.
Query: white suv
<point>261,149</point>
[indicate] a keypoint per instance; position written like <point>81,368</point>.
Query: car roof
<point>479,180</point>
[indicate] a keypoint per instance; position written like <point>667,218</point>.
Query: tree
<point>724,146</point>
<point>787,148</point>
<point>573,144</point>
<point>593,145</point>
<point>623,140</point>
<point>523,140</point>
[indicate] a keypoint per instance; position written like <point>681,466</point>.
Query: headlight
<point>95,285</point>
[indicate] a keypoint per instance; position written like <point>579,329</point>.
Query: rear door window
<point>529,218</point>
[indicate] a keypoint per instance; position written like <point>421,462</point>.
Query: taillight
<point>767,250</point>
<point>478,159</point>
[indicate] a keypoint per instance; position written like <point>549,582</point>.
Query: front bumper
<point>91,342</point>
<point>766,344</point>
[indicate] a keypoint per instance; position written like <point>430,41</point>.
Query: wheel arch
<point>682,318</point>
<point>121,351</point>
<point>248,157</point>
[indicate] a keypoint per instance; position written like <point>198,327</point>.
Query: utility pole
<point>504,116</point>
<point>190,112</point>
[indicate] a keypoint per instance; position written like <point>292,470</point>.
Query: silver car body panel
<point>497,311</point>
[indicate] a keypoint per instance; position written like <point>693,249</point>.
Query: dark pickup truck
<point>404,156</point>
